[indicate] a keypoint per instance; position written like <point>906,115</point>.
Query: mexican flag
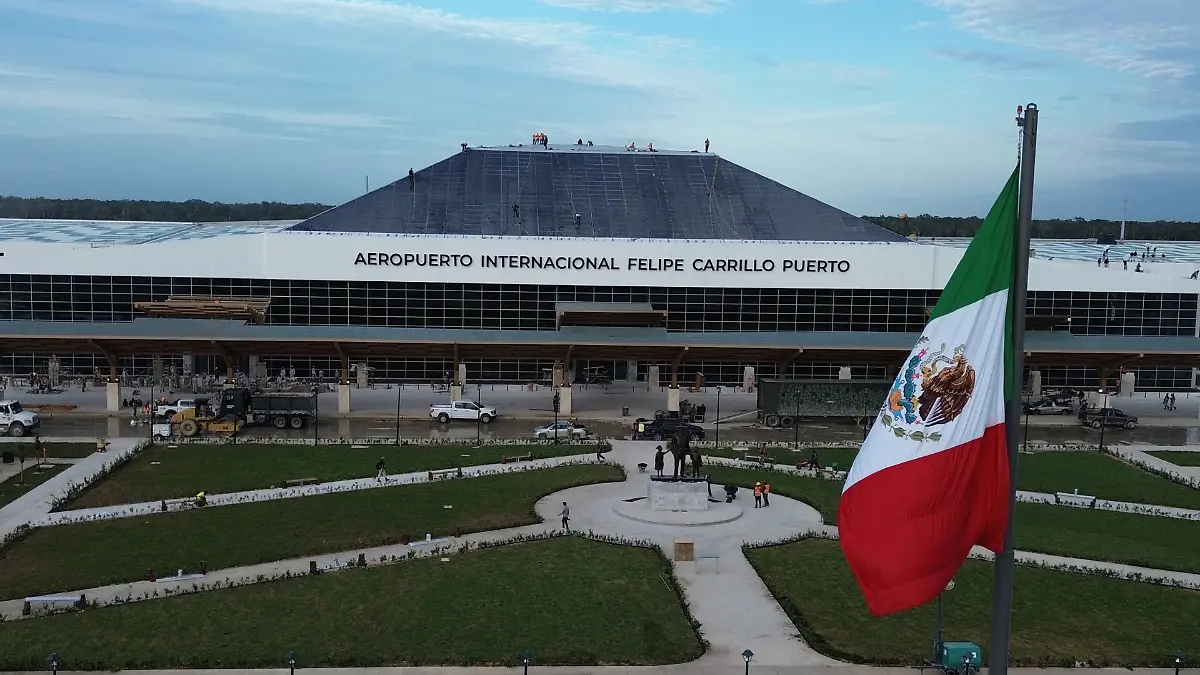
<point>931,480</point>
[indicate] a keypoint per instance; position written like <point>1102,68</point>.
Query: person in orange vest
<point>758,495</point>
<point>766,494</point>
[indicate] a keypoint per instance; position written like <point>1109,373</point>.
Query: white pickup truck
<point>174,407</point>
<point>17,421</point>
<point>461,410</point>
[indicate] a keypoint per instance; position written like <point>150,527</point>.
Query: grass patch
<point>1100,475</point>
<point>11,490</point>
<point>1058,617</point>
<point>162,472</point>
<point>84,555</point>
<point>1177,457</point>
<point>822,495</point>
<point>53,450</point>
<point>480,608</point>
<point>1129,538</point>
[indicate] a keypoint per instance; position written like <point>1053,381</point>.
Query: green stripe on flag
<point>987,265</point>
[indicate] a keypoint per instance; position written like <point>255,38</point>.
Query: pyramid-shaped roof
<point>594,191</point>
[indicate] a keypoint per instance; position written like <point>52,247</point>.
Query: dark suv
<point>664,427</point>
<point>1106,417</point>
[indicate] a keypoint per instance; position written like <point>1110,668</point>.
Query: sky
<point>875,106</point>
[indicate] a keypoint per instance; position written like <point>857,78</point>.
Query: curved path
<point>734,607</point>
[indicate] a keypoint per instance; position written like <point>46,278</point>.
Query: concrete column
<point>1099,400</point>
<point>113,399</point>
<point>673,399</point>
<point>157,371</point>
<point>189,364</point>
<point>558,376</point>
<point>1035,383</point>
<point>343,398</point>
<point>462,374</point>
<point>1128,384</point>
<point>364,376</point>
<point>748,378</point>
<point>844,373</point>
<point>631,371</point>
<point>456,391</point>
<point>564,401</point>
<point>652,378</point>
<point>252,364</point>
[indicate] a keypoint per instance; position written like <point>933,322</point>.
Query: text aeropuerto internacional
<point>564,262</point>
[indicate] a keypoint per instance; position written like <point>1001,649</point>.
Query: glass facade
<point>529,307</point>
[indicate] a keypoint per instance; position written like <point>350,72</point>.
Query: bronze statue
<point>681,448</point>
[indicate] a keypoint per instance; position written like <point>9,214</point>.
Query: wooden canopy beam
<point>787,362</point>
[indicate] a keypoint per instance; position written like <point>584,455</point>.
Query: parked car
<point>174,407</point>
<point>1048,407</point>
<point>664,427</point>
<point>560,429</point>
<point>461,410</point>
<point>1106,417</point>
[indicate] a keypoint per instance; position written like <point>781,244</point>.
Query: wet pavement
<point>92,427</point>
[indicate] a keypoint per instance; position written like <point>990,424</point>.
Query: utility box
<point>955,654</point>
<point>685,551</point>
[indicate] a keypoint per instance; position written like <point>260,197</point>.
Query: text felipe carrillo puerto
<point>562,262</point>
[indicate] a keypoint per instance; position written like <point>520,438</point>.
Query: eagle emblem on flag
<point>931,390</point>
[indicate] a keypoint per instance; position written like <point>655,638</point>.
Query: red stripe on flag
<point>905,530</point>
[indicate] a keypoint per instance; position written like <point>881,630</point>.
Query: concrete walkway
<point>37,502</point>
<point>1140,454</point>
<point>1111,505</point>
<point>699,667</point>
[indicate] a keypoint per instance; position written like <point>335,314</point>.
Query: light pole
<point>556,403</point>
<point>937,630</point>
<point>291,660</point>
<point>53,662</point>
<point>1100,417</point>
<point>1178,661</point>
<point>316,411</point>
<point>1025,442</point>
<point>747,656</point>
<point>397,413</point>
<point>478,413</point>
<point>717,419</point>
<point>526,657</point>
<point>151,415</point>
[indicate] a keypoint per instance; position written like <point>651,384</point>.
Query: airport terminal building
<point>560,247</point>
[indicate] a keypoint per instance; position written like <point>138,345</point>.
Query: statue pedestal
<point>678,495</point>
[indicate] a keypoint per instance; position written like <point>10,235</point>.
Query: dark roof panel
<point>585,191</point>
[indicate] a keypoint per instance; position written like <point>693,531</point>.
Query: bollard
<point>460,472</point>
<point>430,476</point>
<point>503,459</point>
<point>312,566</point>
<point>203,567</point>
<point>26,609</point>
<point>457,530</point>
<point>82,604</point>
<point>164,505</point>
<point>150,575</point>
<point>362,559</point>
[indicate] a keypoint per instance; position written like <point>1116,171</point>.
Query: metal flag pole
<point>1002,580</point>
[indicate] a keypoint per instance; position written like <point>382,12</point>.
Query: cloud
<point>1180,129</point>
<point>993,59</point>
<point>839,72</point>
<point>1147,38</point>
<point>641,6</point>
<point>920,25</point>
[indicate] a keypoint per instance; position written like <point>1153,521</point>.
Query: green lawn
<point>163,472</point>
<point>1058,617</point>
<point>1150,541</point>
<point>1147,541</point>
<point>53,450</point>
<point>843,457</point>
<point>77,556</point>
<point>1178,457</point>
<point>16,487</point>
<point>569,600</point>
<point>1093,473</point>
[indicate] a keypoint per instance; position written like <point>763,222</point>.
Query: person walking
<point>1172,401</point>
<point>380,471</point>
<point>758,495</point>
<point>565,515</point>
<point>766,494</point>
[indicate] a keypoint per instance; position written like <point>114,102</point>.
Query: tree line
<point>191,211</point>
<point>926,225</point>
<point>196,210</point>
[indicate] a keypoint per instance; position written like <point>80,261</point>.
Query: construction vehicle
<point>190,422</point>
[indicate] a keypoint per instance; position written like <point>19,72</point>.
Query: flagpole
<point>1002,590</point>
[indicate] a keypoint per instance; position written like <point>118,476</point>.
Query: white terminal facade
<point>500,239</point>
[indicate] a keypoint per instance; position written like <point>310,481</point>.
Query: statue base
<point>677,494</point>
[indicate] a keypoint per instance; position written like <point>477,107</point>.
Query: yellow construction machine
<point>192,421</point>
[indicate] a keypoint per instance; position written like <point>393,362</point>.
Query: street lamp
<point>717,420</point>
<point>1178,661</point>
<point>937,631</point>
<point>316,415</point>
<point>557,401</point>
<point>526,657</point>
<point>291,659</point>
<point>1100,417</point>
<point>53,662</point>
<point>747,656</point>
<point>478,413</point>
<point>397,413</point>
<point>151,415</point>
